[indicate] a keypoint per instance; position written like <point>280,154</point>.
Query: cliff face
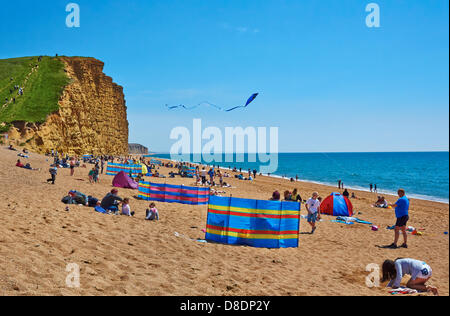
<point>137,149</point>
<point>91,119</point>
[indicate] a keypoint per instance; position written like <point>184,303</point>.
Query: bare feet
<point>433,290</point>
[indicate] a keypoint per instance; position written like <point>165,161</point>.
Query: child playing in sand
<point>420,272</point>
<point>91,175</point>
<point>126,210</point>
<point>313,207</point>
<point>152,213</point>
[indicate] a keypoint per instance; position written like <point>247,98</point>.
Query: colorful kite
<point>250,100</point>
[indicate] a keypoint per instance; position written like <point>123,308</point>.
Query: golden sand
<point>129,256</point>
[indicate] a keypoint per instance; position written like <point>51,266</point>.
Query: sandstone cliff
<point>137,149</point>
<point>91,119</point>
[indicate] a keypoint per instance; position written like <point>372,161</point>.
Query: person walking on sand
<point>203,175</point>
<point>53,172</point>
<point>339,184</point>
<point>313,206</point>
<point>420,272</point>
<point>402,215</point>
<point>371,187</point>
<point>72,166</point>
<point>102,163</point>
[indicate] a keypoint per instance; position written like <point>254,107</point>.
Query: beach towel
<point>403,290</point>
<point>99,209</point>
<point>352,219</point>
<point>261,224</point>
<point>342,222</point>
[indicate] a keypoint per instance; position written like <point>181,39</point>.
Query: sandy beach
<point>130,256</point>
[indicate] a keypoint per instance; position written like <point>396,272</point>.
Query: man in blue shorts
<point>402,214</point>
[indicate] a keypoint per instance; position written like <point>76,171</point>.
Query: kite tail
<point>250,100</point>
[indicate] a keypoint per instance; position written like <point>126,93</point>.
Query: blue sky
<point>329,82</point>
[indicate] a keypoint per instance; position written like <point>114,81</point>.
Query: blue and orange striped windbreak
<point>173,193</point>
<point>263,224</point>
<point>114,168</point>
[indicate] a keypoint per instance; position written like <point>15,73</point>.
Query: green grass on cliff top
<point>41,91</point>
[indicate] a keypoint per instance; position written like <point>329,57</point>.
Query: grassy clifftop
<point>42,82</point>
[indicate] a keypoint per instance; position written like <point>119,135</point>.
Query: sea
<point>424,175</point>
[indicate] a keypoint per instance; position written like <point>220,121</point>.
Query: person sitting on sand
<point>287,196</point>
<point>275,196</point>
<point>152,214</point>
<point>354,196</point>
<point>109,202</point>
<point>313,208</point>
<point>126,210</point>
<point>419,271</point>
<point>346,194</point>
<point>19,164</point>
<point>381,203</point>
<point>378,201</point>
<point>295,196</point>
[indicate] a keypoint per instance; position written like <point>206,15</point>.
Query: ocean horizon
<point>423,174</point>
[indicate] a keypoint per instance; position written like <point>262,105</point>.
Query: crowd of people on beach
<point>113,204</point>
